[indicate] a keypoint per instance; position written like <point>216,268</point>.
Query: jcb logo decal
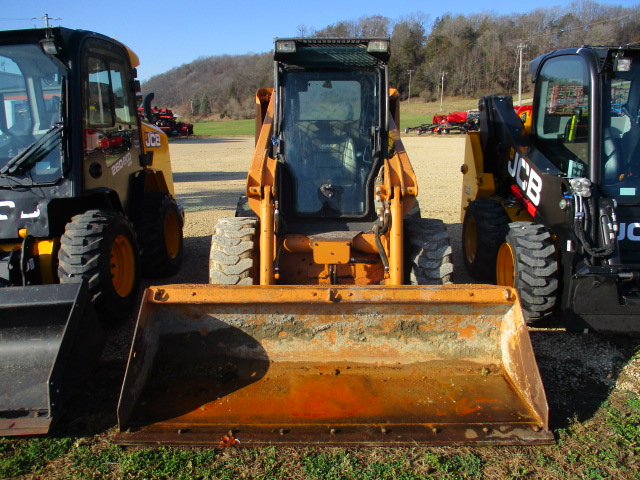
<point>526,178</point>
<point>152,139</point>
<point>11,205</point>
<point>630,231</point>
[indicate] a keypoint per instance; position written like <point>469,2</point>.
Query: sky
<point>169,33</point>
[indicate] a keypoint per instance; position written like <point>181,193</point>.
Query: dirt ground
<point>210,174</point>
<point>579,371</point>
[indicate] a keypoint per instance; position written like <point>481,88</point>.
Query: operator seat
<point>622,153</point>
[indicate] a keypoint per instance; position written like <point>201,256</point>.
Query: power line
<point>46,19</point>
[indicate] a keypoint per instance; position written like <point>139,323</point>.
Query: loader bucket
<point>372,365</point>
<point>49,340</point>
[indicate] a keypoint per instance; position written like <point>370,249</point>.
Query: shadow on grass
<point>92,409</point>
<point>579,371</point>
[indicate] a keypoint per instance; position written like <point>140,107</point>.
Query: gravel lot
<point>210,174</point>
<point>579,371</point>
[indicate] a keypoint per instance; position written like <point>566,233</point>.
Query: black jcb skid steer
<point>86,207</point>
<point>553,208</point>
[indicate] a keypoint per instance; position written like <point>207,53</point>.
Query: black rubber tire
<point>234,254</point>
<point>414,212</point>
<point>427,252</point>
<point>482,235</point>
<point>160,236</point>
<point>529,248</point>
<point>243,209</point>
<point>86,250</point>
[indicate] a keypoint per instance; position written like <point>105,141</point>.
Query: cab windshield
<point>327,130</point>
<point>31,96</point>
<point>621,133</point>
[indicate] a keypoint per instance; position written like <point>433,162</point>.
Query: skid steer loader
<point>326,321</point>
<point>86,204</point>
<point>552,207</point>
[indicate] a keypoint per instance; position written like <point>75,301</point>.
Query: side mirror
<point>146,106</point>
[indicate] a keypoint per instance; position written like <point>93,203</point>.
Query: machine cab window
<point>31,115</point>
<point>562,115</point>
<point>109,113</point>
<point>621,130</point>
<point>328,116</point>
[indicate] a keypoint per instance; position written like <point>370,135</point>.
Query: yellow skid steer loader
<point>326,320</point>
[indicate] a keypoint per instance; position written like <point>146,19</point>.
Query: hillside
<point>467,55</point>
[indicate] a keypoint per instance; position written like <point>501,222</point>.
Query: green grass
<point>227,128</point>
<point>30,456</point>
<point>411,115</point>
<point>605,446</point>
<point>417,113</point>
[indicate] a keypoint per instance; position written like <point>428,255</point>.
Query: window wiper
<point>34,152</point>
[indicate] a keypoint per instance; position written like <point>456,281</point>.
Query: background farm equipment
<point>166,120</point>
<point>462,122</point>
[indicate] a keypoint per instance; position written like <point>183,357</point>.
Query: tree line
<point>465,55</point>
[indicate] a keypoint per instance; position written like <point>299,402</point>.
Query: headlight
<point>378,46</point>
<point>285,46</point>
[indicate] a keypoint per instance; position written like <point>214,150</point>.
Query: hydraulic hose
<point>378,231</point>
<point>579,228</point>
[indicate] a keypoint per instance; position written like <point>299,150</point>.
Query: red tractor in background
<point>166,120</point>
<point>462,122</point>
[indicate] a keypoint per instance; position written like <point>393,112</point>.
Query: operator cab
<point>32,92</point>
<point>332,99</point>
<point>583,132</point>
<point>621,128</point>
<point>586,122</point>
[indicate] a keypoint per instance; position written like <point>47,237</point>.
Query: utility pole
<point>410,72</point>
<point>46,19</point>
<point>442,89</point>
<point>521,46</point>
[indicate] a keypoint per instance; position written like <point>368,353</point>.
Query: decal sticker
<point>35,214</point>
<point>6,203</point>
<point>152,139</point>
<point>630,231</point>
<point>125,161</point>
<point>530,183</point>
